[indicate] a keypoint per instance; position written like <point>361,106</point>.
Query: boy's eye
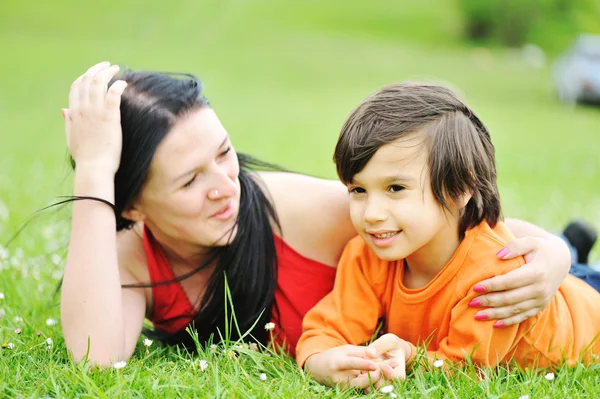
<point>356,190</point>
<point>395,188</point>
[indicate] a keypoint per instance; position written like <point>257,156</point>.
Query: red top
<point>301,283</point>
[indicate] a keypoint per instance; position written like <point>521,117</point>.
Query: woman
<point>161,195</point>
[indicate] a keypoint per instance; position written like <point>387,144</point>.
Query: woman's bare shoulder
<point>314,213</point>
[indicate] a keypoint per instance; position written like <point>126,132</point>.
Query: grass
<point>282,77</point>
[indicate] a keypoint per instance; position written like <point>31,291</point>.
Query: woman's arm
<point>101,322</point>
<point>522,293</point>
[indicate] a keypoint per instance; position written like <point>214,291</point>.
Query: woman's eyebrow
<point>181,176</point>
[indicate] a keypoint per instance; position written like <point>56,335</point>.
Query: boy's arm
<point>350,312</point>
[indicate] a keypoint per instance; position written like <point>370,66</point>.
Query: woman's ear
<point>133,213</point>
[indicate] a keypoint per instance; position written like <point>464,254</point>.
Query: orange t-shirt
<point>438,315</point>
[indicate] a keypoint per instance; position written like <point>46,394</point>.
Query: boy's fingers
<point>357,363</point>
<point>363,381</point>
<point>391,373</point>
<point>383,344</point>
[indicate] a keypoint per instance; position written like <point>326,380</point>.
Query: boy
<point>420,169</point>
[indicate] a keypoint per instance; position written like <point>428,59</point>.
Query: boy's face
<point>392,205</point>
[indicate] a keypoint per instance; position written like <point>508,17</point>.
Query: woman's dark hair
<point>149,107</point>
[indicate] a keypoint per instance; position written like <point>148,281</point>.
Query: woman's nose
<point>223,186</point>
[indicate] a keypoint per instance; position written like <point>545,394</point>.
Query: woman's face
<point>192,194</point>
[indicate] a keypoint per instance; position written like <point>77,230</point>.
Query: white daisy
<point>438,363</point>
<point>203,365</point>
<point>120,365</point>
<point>386,389</point>
<point>147,342</point>
<point>1,295</point>
<point>49,342</point>
<point>270,326</point>
<point>262,376</point>
<point>11,345</point>
<point>50,322</point>
<point>549,376</point>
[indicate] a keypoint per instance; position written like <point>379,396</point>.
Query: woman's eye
<point>227,150</point>
<point>395,188</point>
<point>189,183</point>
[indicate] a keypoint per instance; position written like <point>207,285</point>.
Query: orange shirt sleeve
<point>350,313</point>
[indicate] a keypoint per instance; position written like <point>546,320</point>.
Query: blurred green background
<point>284,75</point>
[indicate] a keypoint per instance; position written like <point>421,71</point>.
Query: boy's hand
<point>345,366</point>
<point>394,351</point>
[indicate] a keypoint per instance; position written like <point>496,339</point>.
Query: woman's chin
<point>226,238</point>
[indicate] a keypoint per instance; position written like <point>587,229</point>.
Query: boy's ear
<point>464,199</point>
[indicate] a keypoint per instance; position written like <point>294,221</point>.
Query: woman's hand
<point>93,120</point>
<point>523,292</point>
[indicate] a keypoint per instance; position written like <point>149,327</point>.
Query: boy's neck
<point>424,264</point>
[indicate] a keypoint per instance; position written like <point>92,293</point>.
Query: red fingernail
<point>481,316</point>
<point>499,324</point>
<point>474,303</point>
<point>479,288</point>
<point>502,253</point>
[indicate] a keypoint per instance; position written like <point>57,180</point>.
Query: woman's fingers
<point>86,81</point>
<point>514,311</point>
<point>518,318</point>
<point>99,85</point>
<point>512,297</point>
<point>516,278</point>
<point>519,246</point>
<point>113,96</point>
<point>74,94</point>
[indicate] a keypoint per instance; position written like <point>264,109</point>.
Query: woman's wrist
<point>92,181</point>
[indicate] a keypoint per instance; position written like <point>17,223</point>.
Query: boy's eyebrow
<point>396,177</point>
<point>390,178</point>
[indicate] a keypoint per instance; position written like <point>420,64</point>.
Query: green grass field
<point>282,76</point>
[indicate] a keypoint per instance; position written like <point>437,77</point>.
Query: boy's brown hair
<point>461,155</point>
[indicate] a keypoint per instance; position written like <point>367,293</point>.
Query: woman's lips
<point>224,213</point>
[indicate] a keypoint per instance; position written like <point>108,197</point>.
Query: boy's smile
<point>394,210</point>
